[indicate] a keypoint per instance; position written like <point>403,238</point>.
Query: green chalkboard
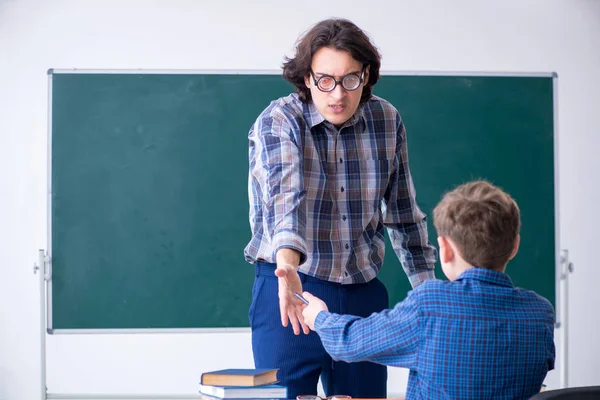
<point>148,187</point>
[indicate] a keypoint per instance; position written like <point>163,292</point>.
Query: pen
<point>301,298</point>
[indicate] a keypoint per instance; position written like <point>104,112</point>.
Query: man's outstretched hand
<point>290,307</point>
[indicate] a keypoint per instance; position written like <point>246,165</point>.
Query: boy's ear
<point>516,248</point>
<point>446,250</point>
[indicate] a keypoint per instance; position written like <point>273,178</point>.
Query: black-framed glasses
<point>315,397</point>
<point>350,82</point>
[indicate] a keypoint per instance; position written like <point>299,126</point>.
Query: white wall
<point>508,35</point>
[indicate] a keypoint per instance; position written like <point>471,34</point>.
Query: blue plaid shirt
<point>328,193</point>
<point>475,338</point>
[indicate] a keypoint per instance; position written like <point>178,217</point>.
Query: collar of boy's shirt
<point>486,275</point>
<point>314,117</point>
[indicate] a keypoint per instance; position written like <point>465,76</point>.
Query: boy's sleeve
<point>390,337</point>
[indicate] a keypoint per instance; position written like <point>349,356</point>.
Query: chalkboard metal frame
<point>48,263</point>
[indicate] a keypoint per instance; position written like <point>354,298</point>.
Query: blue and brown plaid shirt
<point>475,338</point>
<point>328,193</point>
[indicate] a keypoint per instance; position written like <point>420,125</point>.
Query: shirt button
<point>341,161</point>
<point>346,273</point>
<point>342,189</point>
<point>343,217</point>
<point>346,246</point>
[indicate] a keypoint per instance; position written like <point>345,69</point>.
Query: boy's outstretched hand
<point>314,307</point>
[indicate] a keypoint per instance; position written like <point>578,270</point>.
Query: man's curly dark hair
<point>338,34</point>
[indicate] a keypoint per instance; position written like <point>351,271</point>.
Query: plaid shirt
<point>475,338</point>
<point>328,193</point>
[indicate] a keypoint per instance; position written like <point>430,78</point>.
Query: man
<point>328,170</point>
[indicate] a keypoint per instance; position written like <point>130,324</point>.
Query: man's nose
<point>338,92</point>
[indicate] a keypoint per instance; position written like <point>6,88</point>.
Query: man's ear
<point>446,250</point>
<point>307,80</point>
<point>516,248</point>
<point>366,78</point>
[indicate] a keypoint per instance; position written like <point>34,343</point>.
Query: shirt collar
<point>314,117</point>
<point>486,275</point>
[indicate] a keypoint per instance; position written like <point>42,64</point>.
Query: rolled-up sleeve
<point>406,223</point>
<point>276,168</point>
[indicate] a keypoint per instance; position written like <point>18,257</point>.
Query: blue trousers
<point>302,359</point>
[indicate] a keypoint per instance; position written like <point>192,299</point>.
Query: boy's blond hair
<point>482,221</point>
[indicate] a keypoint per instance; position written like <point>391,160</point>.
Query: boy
<point>475,336</point>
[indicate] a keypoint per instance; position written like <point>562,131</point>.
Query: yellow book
<point>239,377</point>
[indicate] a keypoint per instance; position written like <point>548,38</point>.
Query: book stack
<point>233,384</point>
